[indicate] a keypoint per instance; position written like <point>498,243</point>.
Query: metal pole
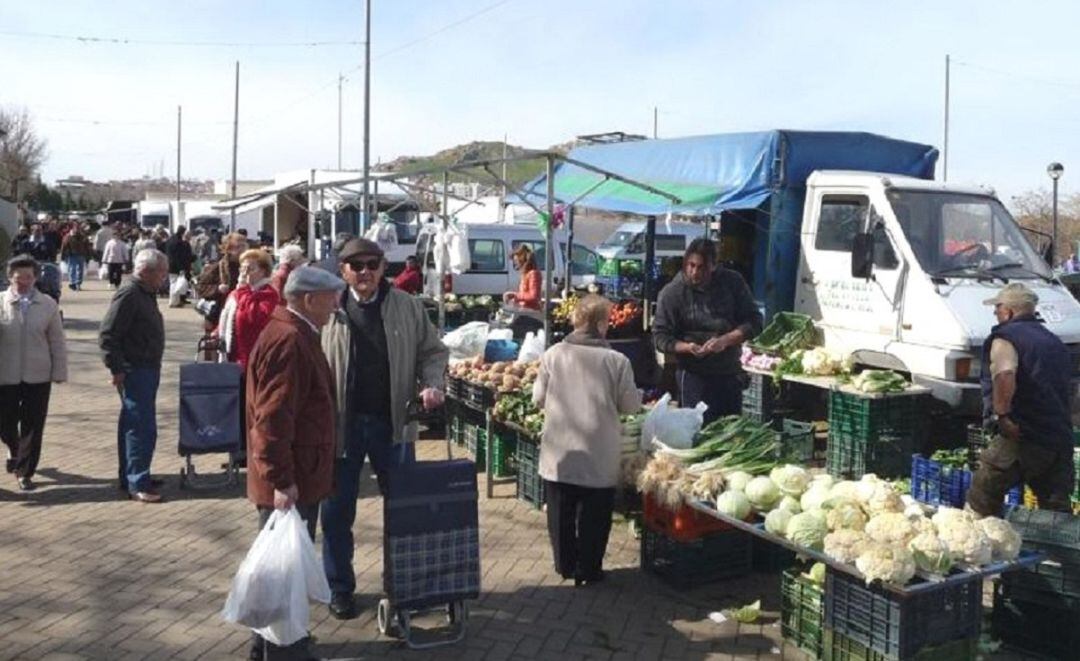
<point>340,78</point>
<point>549,253</point>
<point>945,151</point>
<point>569,211</point>
<point>1054,240</point>
<point>647,267</point>
<point>235,135</point>
<point>367,113</point>
<point>502,195</point>
<point>442,259</point>
<point>179,121</point>
<point>655,121</point>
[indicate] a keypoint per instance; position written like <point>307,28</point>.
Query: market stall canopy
<point>711,173</point>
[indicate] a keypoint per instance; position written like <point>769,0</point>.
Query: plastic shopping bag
<point>674,427</point>
<point>532,347</point>
<point>180,287</point>
<point>277,578</point>
<point>468,341</point>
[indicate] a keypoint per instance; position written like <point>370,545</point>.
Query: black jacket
<point>695,314</point>
<point>180,255</point>
<point>133,331</point>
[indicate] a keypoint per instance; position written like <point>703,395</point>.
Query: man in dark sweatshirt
<point>703,316</point>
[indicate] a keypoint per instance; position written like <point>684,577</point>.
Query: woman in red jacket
<point>249,306</point>
<point>528,293</point>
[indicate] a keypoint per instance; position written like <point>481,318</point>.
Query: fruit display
<point>517,408</point>
<point>563,312</point>
<point>503,377</point>
<point>625,316</point>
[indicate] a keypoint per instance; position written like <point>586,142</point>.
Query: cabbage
<point>733,504</point>
<point>777,521</point>
<point>737,480</point>
<point>789,503</point>
<point>822,479</point>
<point>930,553</point>
<point>814,498</point>
<point>817,573</point>
<point>763,493</point>
<point>807,529</point>
<point>792,480</point>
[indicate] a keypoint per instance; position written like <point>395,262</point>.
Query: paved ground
<point>87,574</point>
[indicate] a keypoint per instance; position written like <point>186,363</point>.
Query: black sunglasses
<point>359,265</point>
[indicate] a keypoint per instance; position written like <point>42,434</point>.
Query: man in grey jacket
<point>703,316</point>
<point>382,351</point>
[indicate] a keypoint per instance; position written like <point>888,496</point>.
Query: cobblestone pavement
<point>87,574</point>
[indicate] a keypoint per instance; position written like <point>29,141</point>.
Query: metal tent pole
<point>442,260</point>
<point>179,122</point>
<point>235,134</point>
<point>367,114</point>
<point>650,257</point>
<point>549,253</point>
<point>569,261</point>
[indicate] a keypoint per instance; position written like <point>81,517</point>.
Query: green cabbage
<point>807,529</point>
<point>777,521</point>
<point>763,493</point>
<point>734,504</point>
<point>792,480</point>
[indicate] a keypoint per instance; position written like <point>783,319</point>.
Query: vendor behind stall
<point>703,316</point>
<point>528,293</point>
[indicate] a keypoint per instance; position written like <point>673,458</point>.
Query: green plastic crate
<point>476,444</point>
<point>1076,464</point>
<point>802,612</point>
<point>796,442</point>
<point>838,647</point>
<point>870,417</point>
<point>503,450</point>
<point>786,332</point>
<point>530,486</point>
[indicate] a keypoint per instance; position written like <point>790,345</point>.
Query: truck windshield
<point>634,242</point>
<point>961,235</point>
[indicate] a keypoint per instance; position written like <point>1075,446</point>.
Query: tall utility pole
<point>179,121</point>
<point>235,135</point>
<point>945,151</point>
<point>502,185</point>
<point>367,114</point>
<point>340,78</point>
<point>655,121</point>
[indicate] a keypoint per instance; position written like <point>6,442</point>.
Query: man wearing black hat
<point>383,351</point>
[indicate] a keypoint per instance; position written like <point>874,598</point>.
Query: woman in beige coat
<point>583,387</point>
<point>32,357</point>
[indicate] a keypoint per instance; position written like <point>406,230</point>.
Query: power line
<point>126,41</point>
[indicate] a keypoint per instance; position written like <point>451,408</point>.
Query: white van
<point>491,270</point>
<point>628,241</point>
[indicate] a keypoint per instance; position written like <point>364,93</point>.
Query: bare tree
<point>1034,210</point>
<point>22,152</point>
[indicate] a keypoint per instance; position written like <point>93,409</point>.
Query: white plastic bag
<point>673,427</point>
<point>180,287</point>
<point>383,233</point>
<point>457,248</point>
<point>532,347</point>
<point>468,341</point>
<point>277,578</point>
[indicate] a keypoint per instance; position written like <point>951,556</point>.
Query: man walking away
<point>382,351</point>
<point>181,257</point>
<point>75,251</point>
<point>703,316</point>
<point>1027,393</point>
<point>290,413</point>
<point>132,340</point>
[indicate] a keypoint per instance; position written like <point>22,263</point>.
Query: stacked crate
<point>802,612</point>
<point>530,486</point>
<point>873,433</point>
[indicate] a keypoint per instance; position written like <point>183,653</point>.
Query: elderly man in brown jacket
<point>290,413</point>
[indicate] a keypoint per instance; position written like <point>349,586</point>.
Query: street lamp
<point>1055,170</point>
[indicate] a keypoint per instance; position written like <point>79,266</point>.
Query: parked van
<point>491,269</point>
<point>628,241</point>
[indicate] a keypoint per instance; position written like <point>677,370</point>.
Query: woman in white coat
<point>33,356</point>
<point>115,256</point>
<point>583,387</point>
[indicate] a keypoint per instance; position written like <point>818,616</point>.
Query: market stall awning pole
<point>549,253</point>
<point>568,213</point>
<point>650,257</point>
<point>442,260</point>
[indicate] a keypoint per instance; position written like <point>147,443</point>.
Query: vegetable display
<point>624,316</point>
<point>518,408</point>
<point>503,377</point>
<point>787,332</point>
<point>879,381</point>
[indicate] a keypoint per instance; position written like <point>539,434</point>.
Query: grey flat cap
<point>306,279</point>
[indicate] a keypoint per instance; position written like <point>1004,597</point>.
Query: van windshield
<point>634,242</point>
<point>965,236</point>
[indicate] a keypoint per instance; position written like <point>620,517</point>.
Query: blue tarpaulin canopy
<point>710,173</point>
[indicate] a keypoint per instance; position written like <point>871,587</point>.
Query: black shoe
<point>343,605</point>
<point>25,484</point>
<point>10,465</point>
<point>156,482</point>
<point>591,580</point>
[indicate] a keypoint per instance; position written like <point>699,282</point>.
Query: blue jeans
<point>369,437</point>
<point>76,269</point>
<point>137,430</point>
<point>722,393</point>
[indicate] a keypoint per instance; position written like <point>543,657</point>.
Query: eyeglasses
<point>359,265</point>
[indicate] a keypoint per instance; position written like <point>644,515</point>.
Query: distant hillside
<point>516,172</point>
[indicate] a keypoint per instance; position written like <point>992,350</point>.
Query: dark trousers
<point>1004,464</point>
<point>116,274</point>
<point>137,429</point>
<point>23,408</point>
<point>579,523</point>
<point>369,437</point>
<point>722,393</point>
<point>298,650</point>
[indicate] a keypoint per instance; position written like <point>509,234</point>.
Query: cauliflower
<point>823,480</point>
<point>890,528</point>
<point>966,542</point>
<point>845,515</point>
<point>866,486</point>
<point>892,564</point>
<point>884,498</point>
<point>708,486</point>
<point>844,489</point>
<point>947,516</point>
<point>845,545</point>
<point>930,553</point>
<point>819,361</point>
<point>1004,540</point>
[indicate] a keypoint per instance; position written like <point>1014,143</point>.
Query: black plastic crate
<point>759,398</point>
<point>478,396</point>
<point>1035,627</point>
<point>530,486</point>
<point>838,647</point>
<point>455,388</point>
<point>686,565</point>
<point>977,441</point>
<point>802,617</point>
<point>900,626</point>
<point>1044,527</point>
<point>851,457</point>
<point>769,557</point>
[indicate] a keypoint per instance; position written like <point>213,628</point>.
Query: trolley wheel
<point>183,479</point>
<point>457,612</point>
<point>386,617</point>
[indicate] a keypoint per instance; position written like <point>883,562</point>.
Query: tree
<point>22,152</point>
<point>1034,210</point>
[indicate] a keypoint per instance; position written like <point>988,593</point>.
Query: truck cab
<point>895,270</point>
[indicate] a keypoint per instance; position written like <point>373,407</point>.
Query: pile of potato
<point>502,376</point>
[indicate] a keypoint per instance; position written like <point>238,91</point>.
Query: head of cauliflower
<point>930,553</point>
<point>1004,540</point>
<point>891,528</point>
<point>966,542</point>
<point>884,562</point>
<point>845,514</point>
<point>845,545</point>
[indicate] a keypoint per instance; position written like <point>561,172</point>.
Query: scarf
<point>227,323</point>
<point>586,339</point>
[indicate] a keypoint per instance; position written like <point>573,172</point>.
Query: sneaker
<point>25,484</point>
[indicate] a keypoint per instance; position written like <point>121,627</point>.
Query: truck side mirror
<point>862,255</point>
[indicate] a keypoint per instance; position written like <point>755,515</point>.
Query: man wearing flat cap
<point>384,353</point>
<point>1027,394</point>
<point>290,413</point>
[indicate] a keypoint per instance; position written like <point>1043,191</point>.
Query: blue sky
<point>541,72</point>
